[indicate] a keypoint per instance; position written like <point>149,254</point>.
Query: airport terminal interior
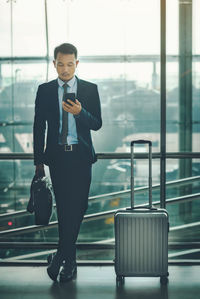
<point>144,56</point>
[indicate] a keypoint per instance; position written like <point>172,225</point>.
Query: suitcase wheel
<point>163,279</point>
<point>120,280</point>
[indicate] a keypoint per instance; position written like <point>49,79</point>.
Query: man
<point>69,151</point>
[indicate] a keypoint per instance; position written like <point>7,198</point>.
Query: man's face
<point>65,65</point>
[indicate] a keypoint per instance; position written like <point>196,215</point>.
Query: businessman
<point>68,151</point>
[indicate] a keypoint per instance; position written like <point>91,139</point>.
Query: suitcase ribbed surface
<point>141,243</point>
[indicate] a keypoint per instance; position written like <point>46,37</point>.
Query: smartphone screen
<point>69,96</point>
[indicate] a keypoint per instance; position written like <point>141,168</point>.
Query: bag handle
<point>132,170</point>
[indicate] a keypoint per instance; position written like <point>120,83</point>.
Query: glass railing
<point>96,239</point>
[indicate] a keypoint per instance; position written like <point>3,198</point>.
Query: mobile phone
<point>69,96</point>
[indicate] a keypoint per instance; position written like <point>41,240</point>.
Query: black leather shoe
<point>53,269</point>
<point>68,272</point>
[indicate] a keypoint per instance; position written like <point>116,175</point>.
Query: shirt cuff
<point>78,115</point>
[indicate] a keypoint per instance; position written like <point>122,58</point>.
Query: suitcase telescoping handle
<point>132,170</point>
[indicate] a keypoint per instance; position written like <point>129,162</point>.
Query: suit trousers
<point>71,177</point>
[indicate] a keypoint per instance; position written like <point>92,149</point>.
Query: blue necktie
<point>64,131</point>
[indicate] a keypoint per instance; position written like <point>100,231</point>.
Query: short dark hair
<point>66,48</point>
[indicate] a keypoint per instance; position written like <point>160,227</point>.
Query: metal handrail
<point>157,155</point>
<point>88,245</point>
<point>90,217</point>
<point>96,198</point>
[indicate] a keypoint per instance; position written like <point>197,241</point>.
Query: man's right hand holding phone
<point>72,107</point>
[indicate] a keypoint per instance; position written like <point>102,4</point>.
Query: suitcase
<point>141,235</point>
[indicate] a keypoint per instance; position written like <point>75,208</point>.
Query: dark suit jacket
<point>47,112</point>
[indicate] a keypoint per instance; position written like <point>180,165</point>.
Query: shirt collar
<point>70,82</point>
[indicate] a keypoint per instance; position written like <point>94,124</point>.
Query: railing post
<point>163,105</point>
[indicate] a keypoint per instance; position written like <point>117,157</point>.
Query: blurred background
<point>119,46</point>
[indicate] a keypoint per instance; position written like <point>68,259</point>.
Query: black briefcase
<point>41,200</point>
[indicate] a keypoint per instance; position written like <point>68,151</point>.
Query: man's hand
<point>74,108</point>
<point>39,170</point>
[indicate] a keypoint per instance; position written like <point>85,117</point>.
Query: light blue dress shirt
<point>72,132</point>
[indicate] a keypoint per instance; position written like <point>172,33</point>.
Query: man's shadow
<point>145,292</point>
<point>63,290</point>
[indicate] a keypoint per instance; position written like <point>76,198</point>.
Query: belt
<point>68,148</point>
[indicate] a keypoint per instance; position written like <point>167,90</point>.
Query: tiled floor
<point>95,282</point>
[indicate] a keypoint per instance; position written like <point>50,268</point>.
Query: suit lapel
<point>54,100</point>
<point>80,91</point>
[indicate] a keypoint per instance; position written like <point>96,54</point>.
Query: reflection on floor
<point>95,282</point>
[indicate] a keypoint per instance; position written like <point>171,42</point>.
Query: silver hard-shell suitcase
<point>141,235</point>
